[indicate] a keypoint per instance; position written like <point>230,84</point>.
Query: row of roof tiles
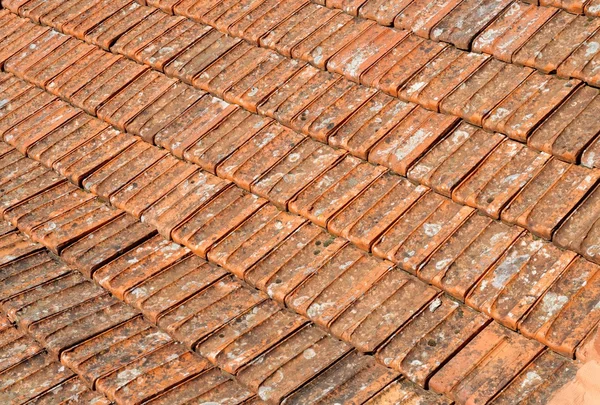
<point>488,93</point>
<point>452,221</point>
<point>501,178</point>
<point>512,31</point>
<point>241,332</point>
<point>266,221</point>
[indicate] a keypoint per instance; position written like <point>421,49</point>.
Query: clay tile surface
<point>263,202</point>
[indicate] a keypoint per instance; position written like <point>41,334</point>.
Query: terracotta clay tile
<point>219,64</point>
<point>555,41</point>
<point>206,313</point>
<point>15,213</point>
<point>580,231</point>
<point>466,21</point>
<point>250,335</point>
<point>122,170</point>
<point>86,21</point>
<point>193,8</point>
<point>551,373</point>
<point>240,12</point>
<point>152,185</point>
<point>114,349</point>
<point>431,338</point>
<point>512,285</point>
<point>364,219</point>
<point>420,16</point>
<point>542,204</point>
<point>209,386</point>
<point>591,154</point>
<point>16,347</point>
<point>265,18</point>
<point>67,138</point>
<point>449,162</point>
<point>318,85</point>
<point>237,70</point>
<point>392,301</point>
<point>83,72</point>
<point>420,230</point>
<point>308,248</point>
<point>190,126</point>
<point>216,220</point>
<point>242,248</point>
<point>135,98</point>
<point>353,379</point>
<point>500,177</point>
<point>409,56</point>
<point>169,45</point>
<point>248,82</point>
<point>72,390</point>
<point>297,359</point>
<point>330,113</point>
<point>572,6</point>
<point>567,312</point>
<point>35,52</point>
<point>24,387</point>
<point>160,370</point>
<point>19,39</point>
<point>37,303</point>
<point>106,243</point>
<point>381,11</point>
<point>218,145</point>
<point>164,111</point>
<point>90,156</point>
<point>181,202</point>
<point>485,365</point>
<point>200,55</point>
<point>152,27</point>
<point>95,94</point>
<point>299,27</point>
<point>22,108</point>
<point>275,100</point>
<point>403,392</point>
<point>29,272</point>
<point>62,82</point>
<point>138,264</point>
<point>465,257</point>
<point>334,189</point>
<point>106,33</point>
<point>62,14</point>
<point>373,44</point>
<point>57,62</point>
<point>325,294</point>
<point>297,170</point>
<point>80,323</point>
<point>485,89</point>
<point>570,128</point>
<point>39,124</point>
<point>73,225</point>
<point>26,185</point>
<point>410,139</point>
<point>175,284</point>
<point>440,76</point>
<point>60,202</point>
<point>262,88</point>
<point>591,8</point>
<point>511,30</point>
<point>307,42</point>
<point>369,124</point>
<point>250,161</point>
<point>539,93</point>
